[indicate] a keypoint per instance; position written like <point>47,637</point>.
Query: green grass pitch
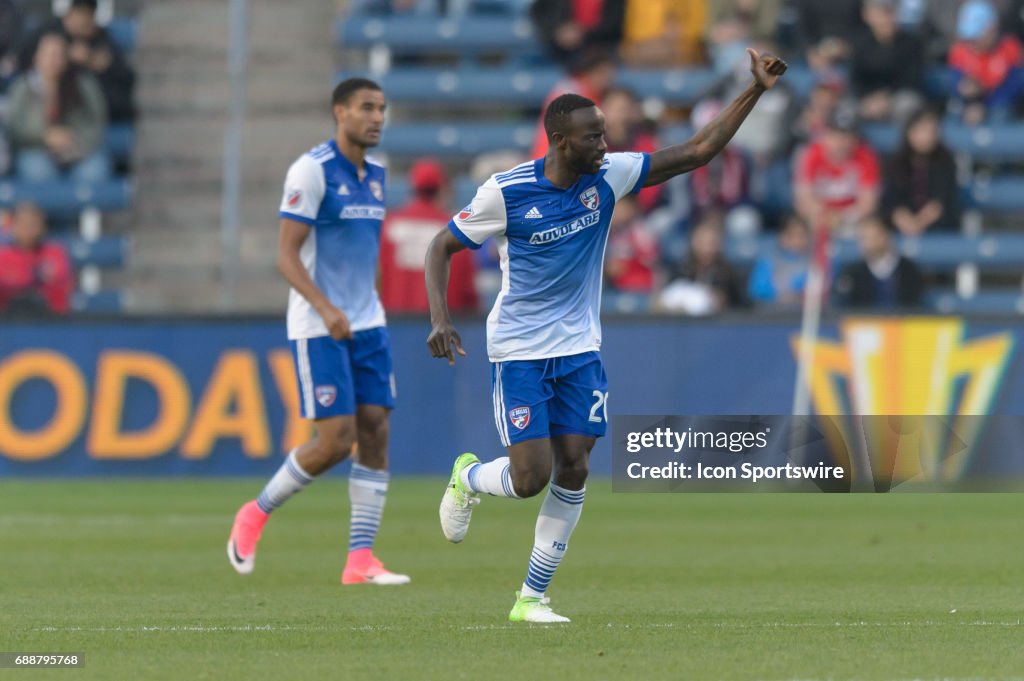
<point>724,586</point>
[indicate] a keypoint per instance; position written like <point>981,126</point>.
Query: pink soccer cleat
<point>245,534</point>
<point>363,567</point>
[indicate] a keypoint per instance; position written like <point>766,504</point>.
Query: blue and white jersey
<point>322,189</point>
<point>551,244</point>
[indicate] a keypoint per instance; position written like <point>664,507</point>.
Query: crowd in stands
<point>801,162</point>
<point>63,82</point>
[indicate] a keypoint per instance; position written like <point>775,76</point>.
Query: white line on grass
<point>491,627</point>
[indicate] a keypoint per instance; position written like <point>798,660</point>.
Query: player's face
<point>584,147</point>
<point>361,119</point>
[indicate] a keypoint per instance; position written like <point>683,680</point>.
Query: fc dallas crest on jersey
<point>590,198</point>
<point>520,417</point>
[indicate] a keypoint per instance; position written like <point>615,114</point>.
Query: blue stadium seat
<point>400,192</point>
<point>468,86</point>
<point>466,139</point>
<point>997,301</point>
<point>417,35</point>
<point>119,140</point>
<point>1002,142</point>
<point>106,252</point>
<point>65,198</point>
<point>620,302</point>
<point>123,31</point>
<point>940,252</point>
<point>101,302</point>
<point>1003,194</point>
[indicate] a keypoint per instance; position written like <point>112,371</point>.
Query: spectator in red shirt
<point>837,177</point>
<point>591,75</point>
<point>405,235</point>
<point>985,66</point>
<point>632,251</point>
<point>35,273</point>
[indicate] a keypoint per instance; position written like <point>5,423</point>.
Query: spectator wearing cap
<point>92,50</point>
<point>883,278</point>
<point>591,74</point>
<point>886,65</point>
<point>921,190</point>
<point>838,181</point>
<point>35,272</point>
<point>405,236</point>
<point>985,65</point>
<point>570,27</point>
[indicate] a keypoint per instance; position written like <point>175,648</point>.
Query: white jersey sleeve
<point>484,217</point>
<point>304,188</point>
<point>626,172</point>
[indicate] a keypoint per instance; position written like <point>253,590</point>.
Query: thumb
<point>754,56</point>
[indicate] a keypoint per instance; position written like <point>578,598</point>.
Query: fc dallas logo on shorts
<point>590,199</point>
<point>520,417</point>
<point>325,395</point>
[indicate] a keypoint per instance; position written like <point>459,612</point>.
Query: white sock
<point>289,480</point>
<point>367,490</point>
<point>493,477</point>
<point>557,519</point>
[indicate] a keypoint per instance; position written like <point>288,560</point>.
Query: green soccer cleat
<point>458,502</point>
<point>528,609</point>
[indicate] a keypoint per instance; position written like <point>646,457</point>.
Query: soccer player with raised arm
<point>550,219</point>
<point>331,217</point>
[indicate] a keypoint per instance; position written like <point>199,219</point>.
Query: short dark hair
<point>557,114</point>
<point>344,90</point>
<point>83,4</point>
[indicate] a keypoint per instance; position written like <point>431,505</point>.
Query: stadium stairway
<point>183,95</point>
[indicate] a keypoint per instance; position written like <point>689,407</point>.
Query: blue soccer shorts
<point>541,398</point>
<point>335,376</point>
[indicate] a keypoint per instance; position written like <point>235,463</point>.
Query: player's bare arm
<point>443,337</point>
<point>712,138</point>
<point>292,235</point>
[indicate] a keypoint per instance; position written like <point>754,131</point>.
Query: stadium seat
<point>101,302</point>
<point>106,252</point>
<point>119,140</point>
<point>467,139</point>
<point>123,31</point>
<point>998,301</point>
<point>65,198</point>
<point>422,35</point>
<point>468,86</point>
<point>937,252</point>
<point>1002,194</point>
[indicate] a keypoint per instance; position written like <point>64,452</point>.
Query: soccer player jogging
<point>331,218</point>
<point>550,218</point>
